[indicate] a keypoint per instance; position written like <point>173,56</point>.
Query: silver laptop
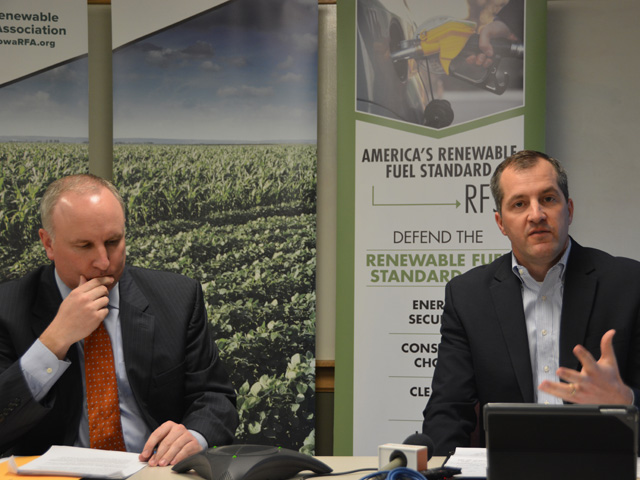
<point>581,442</point>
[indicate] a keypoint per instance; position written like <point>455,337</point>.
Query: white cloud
<point>237,61</point>
<point>210,66</point>
<point>41,96</point>
<point>306,42</point>
<point>290,77</point>
<point>245,91</point>
<point>288,63</point>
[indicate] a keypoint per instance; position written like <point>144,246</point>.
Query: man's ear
<point>47,242</point>
<point>499,222</point>
<point>570,208</point>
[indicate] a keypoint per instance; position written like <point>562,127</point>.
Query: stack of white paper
<point>81,462</point>
<point>472,462</point>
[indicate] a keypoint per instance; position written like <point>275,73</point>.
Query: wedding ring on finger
<point>573,390</point>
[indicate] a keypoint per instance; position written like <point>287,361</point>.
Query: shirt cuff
<point>201,440</point>
<point>41,369</point>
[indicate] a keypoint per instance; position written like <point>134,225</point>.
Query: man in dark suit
<point>529,326</point>
<point>175,396</point>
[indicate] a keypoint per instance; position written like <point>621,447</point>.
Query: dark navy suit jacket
<point>171,360</point>
<point>484,351</point>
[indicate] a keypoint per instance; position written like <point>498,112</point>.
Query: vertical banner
<point>43,116</point>
<point>36,35</point>
<point>215,154</point>
<point>424,119</point>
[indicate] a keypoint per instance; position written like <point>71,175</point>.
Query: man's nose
<point>101,261</point>
<point>536,212</point>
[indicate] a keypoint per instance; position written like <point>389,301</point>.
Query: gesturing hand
<point>597,383</point>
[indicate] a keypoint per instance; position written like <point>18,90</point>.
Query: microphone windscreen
<point>422,440</point>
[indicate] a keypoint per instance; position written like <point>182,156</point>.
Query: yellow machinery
<point>453,41</point>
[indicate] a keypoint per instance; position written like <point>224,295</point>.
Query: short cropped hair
<point>524,160</point>
<point>81,183</point>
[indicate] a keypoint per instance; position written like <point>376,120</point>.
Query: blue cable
<point>405,473</point>
<point>399,473</point>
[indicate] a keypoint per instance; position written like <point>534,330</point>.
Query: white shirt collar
<point>562,264</point>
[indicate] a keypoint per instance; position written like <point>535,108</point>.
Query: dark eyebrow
<point>547,191</point>
<point>514,198</point>
<point>552,191</point>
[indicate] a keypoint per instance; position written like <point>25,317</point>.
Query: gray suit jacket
<point>171,360</point>
<point>484,351</point>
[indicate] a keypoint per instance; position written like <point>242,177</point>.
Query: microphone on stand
<point>422,440</point>
<point>413,453</point>
<point>437,473</point>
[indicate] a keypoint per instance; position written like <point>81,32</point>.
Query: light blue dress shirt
<point>542,302</point>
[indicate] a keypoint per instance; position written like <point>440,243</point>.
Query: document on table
<point>472,462</point>
<point>7,474</point>
<point>81,462</point>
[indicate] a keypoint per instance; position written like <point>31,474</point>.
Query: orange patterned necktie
<point>105,428</point>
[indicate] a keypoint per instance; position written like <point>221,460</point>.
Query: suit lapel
<point>47,301</point>
<point>137,335</point>
<point>579,293</point>
<point>507,300</point>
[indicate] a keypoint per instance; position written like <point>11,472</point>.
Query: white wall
<point>593,117</point>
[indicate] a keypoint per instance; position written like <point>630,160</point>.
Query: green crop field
<point>241,220</point>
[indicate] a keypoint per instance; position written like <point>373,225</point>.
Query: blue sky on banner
<point>38,99</point>
<point>52,104</point>
<point>245,71</point>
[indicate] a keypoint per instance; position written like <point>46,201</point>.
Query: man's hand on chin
<point>169,444</point>
<point>78,315</point>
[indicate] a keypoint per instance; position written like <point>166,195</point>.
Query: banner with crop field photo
<point>215,153</point>
<point>43,117</point>
<point>425,114</point>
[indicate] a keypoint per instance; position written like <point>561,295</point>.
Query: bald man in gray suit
<point>174,393</point>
